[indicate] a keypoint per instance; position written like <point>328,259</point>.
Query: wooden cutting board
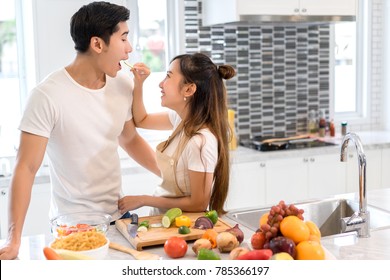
<point>158,236</point>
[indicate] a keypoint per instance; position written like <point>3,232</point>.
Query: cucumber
<point>142,229</point>
<point>170,216</point>
<point>144,224</point>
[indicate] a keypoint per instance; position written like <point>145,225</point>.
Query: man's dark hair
<point>96,19</point>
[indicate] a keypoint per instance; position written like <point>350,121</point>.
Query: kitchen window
<point>345,67</point>
<point>351,66</point>
<point>156,37</point>
<point>12,78</point>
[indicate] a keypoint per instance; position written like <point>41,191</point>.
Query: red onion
<point>237,232</point>
<point>203,223</point>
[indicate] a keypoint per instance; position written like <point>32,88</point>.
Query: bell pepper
<point>183,221</point>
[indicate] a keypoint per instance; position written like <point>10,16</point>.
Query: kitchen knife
<point>133,226</point>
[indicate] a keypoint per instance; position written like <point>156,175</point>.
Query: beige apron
<point>167,164</point>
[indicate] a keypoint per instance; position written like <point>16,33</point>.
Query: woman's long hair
<point>208,108</point>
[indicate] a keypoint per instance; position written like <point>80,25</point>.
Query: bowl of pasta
<point>82,245</point>
<point>81,233</point>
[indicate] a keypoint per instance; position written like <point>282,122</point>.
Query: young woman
<point>194,161</point>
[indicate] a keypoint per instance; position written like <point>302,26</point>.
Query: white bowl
<point>93,254</point>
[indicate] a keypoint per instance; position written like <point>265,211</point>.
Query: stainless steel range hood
<point>250,12</point>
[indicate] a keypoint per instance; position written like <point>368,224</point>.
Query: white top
<point>83,126</point>
<point>200,154</point>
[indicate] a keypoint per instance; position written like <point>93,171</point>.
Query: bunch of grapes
<point>275,217</point>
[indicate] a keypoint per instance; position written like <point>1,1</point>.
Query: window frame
<point>363,70</point>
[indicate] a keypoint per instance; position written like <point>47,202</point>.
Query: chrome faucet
<point>360,220</point>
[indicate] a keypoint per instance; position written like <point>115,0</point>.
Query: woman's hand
<point>129,203</point>
<point>140,72</point>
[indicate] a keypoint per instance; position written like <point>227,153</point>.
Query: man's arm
<point>138,148</point>
<point>29,158</point>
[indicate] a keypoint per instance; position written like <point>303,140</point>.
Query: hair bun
<point>226,72</point>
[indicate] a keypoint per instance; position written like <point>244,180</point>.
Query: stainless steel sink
<point>327,214</point>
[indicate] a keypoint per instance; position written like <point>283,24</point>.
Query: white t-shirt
<point>200,154</point>
<point>83,126</point>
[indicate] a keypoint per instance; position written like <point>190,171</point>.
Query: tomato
<point>258,240</point>
<point>175,247</point>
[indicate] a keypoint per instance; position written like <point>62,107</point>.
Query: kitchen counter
<point>370,140</point>
<point>344,246</point>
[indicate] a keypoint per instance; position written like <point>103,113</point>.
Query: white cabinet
<point>327,176</point>
<point>300,178</point>
<point>37,218</point>
<point>299,7</point>
<point>3,212</point>
<point>373,170</point>
<point>247,185</point>
<point>275,10</point>
<point>327,7</point>
<point>385,168</point>
<point>286,179</point>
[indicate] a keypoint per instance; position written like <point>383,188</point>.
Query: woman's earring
<point>185,98</point>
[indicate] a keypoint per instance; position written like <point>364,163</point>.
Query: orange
<point>294,228</point>
<point>263,219</point>
<point>309,250</point>
<point>313,228</point>
<point>313,237</point>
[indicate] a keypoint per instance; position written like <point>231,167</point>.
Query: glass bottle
<point>343,128</point>
<point>312,122</point>
<point>322,124</point>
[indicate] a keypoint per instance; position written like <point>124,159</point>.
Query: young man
<point>78,115</point>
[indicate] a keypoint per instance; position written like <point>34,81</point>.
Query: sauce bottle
<point>332,130</point>
<point>233,142</point>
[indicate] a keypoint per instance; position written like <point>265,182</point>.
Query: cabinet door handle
<point>312,159</point>
<point>262,164</point>
<point>296,10</point>
<point>3,192</point>
<point>304,10</point>
<point>305,160</point>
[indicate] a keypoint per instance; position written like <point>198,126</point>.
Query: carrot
<point>259,254</point>
<point>50,254</point>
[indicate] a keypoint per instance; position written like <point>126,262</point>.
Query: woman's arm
<point>142,119</point>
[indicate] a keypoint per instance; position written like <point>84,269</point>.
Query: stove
<point>257,144</point>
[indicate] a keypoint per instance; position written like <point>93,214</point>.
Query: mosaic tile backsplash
<point>282,71</point>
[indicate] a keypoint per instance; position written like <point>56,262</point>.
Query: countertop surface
<point>343,246</point>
